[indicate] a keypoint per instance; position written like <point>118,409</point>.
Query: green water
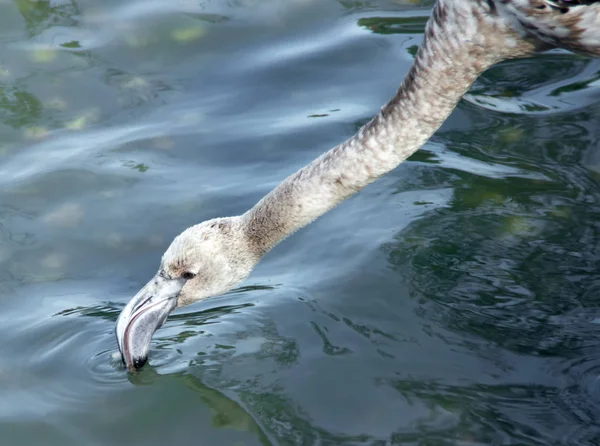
<point>453,302</point>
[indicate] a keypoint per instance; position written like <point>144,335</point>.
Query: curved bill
<point>142,316</point>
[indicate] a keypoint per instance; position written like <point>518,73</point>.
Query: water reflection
<point>521,87</point>
<point>519,284</point>
<point>42,14</point>
<point>226,413</point>
<point>395,25</point>
<point>484,414</point>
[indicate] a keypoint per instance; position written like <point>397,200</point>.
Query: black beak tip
<point>138,363</point>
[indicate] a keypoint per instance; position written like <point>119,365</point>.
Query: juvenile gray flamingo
<point>463,38</point>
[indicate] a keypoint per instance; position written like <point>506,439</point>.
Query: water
<point>453,302</point>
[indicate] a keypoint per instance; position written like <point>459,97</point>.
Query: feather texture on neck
<point>446,65</point>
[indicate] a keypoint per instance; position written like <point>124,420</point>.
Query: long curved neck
<point>447,63</point>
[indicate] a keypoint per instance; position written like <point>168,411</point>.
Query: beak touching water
<point>142,316</point>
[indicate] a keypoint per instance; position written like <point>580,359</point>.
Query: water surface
<point>454,301</point>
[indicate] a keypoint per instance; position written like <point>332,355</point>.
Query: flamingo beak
<point>142,316</point>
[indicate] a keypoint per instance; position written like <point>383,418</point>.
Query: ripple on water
<point>476,323</point>
<point>566,84</point>
<point>60,360</point>
<point>515,292</point>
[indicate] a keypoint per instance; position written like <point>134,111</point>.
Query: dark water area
<point>456,301</point>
